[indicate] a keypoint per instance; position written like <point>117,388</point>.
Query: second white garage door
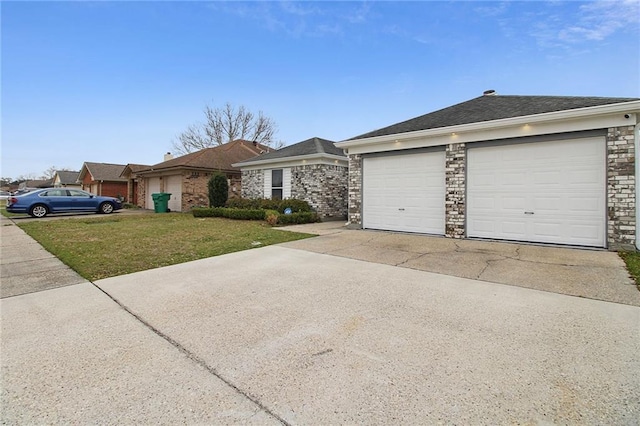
<point>548,192</point>
<point>173,185</point>
<point>404,192</point>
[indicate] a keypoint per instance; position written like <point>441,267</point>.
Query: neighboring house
<point>544,169</point>
<point>186,177</point>
<point>103,179</point>
<point>313,170</point>
<point>66,179</point>
<point>130,173</point>
<point>35,184</point>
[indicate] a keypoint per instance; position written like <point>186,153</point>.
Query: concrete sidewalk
<point>26,267</point>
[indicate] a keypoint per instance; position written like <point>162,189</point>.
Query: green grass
<point>99,248</point>
<point>632,259</point>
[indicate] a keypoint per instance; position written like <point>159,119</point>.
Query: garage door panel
<point>557,195</point>
<point>404,192</point>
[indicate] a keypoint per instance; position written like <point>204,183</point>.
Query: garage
<point>404,192</point>
<point>153,187</point>
<point>173,185</point>
<point>546,192</point>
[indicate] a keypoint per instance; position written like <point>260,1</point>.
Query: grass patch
<point>111,246</point>
<point>632,260</point>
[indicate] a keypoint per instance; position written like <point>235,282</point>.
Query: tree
<point>227,124</point>
<point>51,172</point>
<point>218,190</point>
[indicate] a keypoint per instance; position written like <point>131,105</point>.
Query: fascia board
<point>292,161</point>
<point>587,118</point>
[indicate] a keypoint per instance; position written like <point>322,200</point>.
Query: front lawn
<point>632,259</point>
<point>105,247</point>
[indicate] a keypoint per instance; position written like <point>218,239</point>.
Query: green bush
<point>295,205</point>
<point>218,190</point>
<point>238,214</point>
<point>298,218</point>
<point>243,203</point>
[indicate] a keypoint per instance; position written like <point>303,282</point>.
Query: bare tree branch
<point>227,124</point>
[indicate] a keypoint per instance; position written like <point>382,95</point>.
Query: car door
<point>57,200</point>
<point>82,200</point>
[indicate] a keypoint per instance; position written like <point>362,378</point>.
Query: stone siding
<point>355,189</point>
<point>323,186</point>
<point>621,187</point>
<point>253,184</point>
<point>455,196</point>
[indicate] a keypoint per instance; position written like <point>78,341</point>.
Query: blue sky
<point>117,81</point>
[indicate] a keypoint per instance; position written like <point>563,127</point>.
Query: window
<point>78,193</point>
<point>276,184</point>
<point>55,193</point>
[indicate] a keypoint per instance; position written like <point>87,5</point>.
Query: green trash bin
<point>161,202</point>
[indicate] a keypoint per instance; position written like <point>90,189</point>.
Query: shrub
<point>298,218</point>
<point>218,190</point>
<point>295,205</point>
<point>243,203</point>
<point>238,214</point>
<point>271,217</point>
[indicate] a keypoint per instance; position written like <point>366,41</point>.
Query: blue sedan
<point>41,202</point>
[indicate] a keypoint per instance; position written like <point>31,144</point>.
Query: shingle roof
<point>137,167</point>
<point>104,171</point>
<point>306,147</point>
<point>216,158</point>
<point>67,177</point>
<point>492,107</point>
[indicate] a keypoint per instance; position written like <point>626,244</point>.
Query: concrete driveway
<point>594,274</point>
<point>285,335</point>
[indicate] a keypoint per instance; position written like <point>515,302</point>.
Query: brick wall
<point>142,193</point>
<point>355,189</point>
<point>455,198</point>
<point>195,189</point>
<point>113,189</point>
<point>323,186</point>
<point>621,187</point>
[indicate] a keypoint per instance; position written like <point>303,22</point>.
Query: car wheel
<point>106,208</point>
<point>39,210</point>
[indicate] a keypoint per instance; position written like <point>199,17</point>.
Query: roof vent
<point>168,156</point>
<point>489,92</point>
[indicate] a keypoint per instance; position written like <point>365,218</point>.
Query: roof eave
<point>290,159</point>
<point>624,107</point>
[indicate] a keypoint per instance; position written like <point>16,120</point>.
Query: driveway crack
<point>192,356</point>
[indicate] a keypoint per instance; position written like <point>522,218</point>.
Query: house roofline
<point>253,163</point>
<point>630,107</point>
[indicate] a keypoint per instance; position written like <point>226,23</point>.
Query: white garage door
<point>153,187</point>
<point>548,192</point>
<point>404,192</point>
<point>173,185</point>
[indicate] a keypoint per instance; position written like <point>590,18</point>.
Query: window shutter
<point>267,184</point>
<point>286,183</point>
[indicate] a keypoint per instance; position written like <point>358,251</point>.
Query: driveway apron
<point>321,339</point>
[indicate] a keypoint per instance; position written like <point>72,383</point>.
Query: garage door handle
<point>528,212</point>
<point>401,210</point>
